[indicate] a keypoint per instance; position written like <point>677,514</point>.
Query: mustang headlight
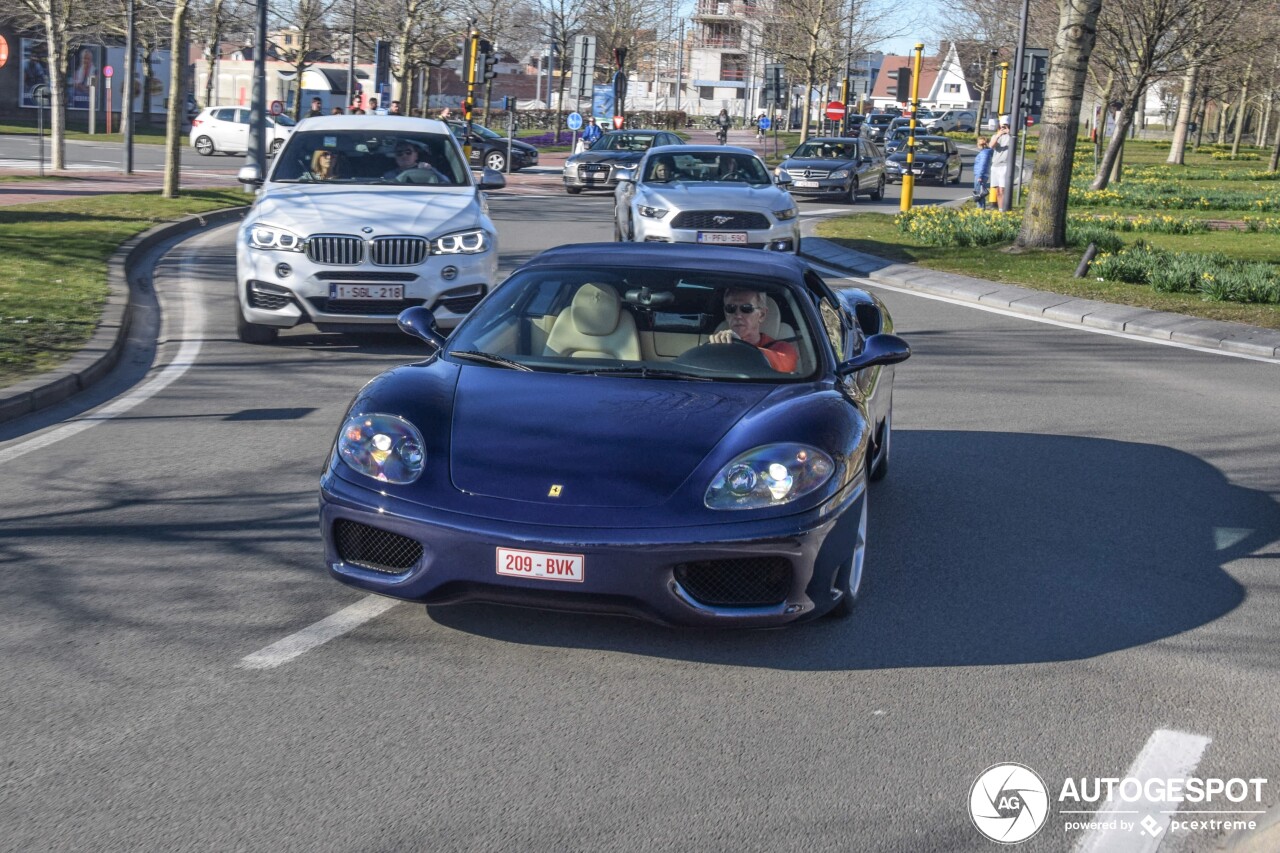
<point>270,237</point>
<point>651,212</point>
<point>471,242</point>
<point>839,174</point>
<point>384,447</point>
<point>769,476</point>
<point>787,213</point>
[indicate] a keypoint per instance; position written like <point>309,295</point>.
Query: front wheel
<point>849,576</point>
<point>495,160</point>
<point>853,192</point>
<point>878,192</point>
<point>573,190</point>
<point>959,175</point>
<point>204,146</point>
<point>253,333</point>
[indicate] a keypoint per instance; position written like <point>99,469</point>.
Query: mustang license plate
<point>366,291</point>
<point>731,238</point>
<point>540,565</point>
<point>805,183</point>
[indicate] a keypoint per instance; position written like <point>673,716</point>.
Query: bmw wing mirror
<point>876,350</point>
<point>421,323</point>
<point>249,176</point>
<point>492,179</point>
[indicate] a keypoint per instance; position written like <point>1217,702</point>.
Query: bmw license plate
<point>804,183</point>
<point>366,291</point>
<point>540,565</point>
<point>730,238</point>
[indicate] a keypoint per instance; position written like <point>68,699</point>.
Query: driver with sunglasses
<point>745,311</point>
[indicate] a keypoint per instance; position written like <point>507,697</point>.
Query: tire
<point>852,197</point>
<point>878,194</point>
<point>881,450</point>
<point>495,160</point>
<point>253,333</point>
<point>959,175</point>
<point>204,146</point>
<point>849,575</point>
<point>573,190</point>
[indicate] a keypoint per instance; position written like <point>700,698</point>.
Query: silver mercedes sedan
<point>715,195</point>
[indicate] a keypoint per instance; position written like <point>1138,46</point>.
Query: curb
<point>101,353</point>
<point>1160,325</point>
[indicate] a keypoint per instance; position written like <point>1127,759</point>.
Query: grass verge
<point>55,281</point>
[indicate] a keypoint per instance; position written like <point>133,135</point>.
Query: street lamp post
<point>1015,118</point>
<point>257,109</point>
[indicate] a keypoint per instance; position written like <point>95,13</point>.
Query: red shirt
<point>781,355</point>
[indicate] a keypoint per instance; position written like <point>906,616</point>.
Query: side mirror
<point>491,179</point>
<point>249,175</point>
<point>626,174</point>
<point>783,179</point>
<point>421,323</point>
<point>876,350</point>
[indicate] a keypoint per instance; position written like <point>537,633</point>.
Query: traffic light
<point>903,91</point>
<point>488,60</point>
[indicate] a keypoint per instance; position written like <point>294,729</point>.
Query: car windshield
<point>635,322</point>
<point>826,150</point>
<point>370,157</point>
<point>481,130</point>
<point>696,166</point>
<point>624,142</point>
<point>931,146</point>
<point>881,119</point>
<point>283,121</point>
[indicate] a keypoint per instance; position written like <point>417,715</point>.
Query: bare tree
<point>177,101</point>
<point>1044,224</point>
<point>60,20</point>
<point>561,20</point>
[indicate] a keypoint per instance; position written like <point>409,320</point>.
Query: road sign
<point>835,111</point>
<point>277,107</point>
<point>1030,121</point>
<point>765,123</point>
<point>573,121</point>
<point>584,67</point>
<point>617,122</point>
<point>107,71</point>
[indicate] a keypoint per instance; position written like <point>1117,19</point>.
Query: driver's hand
<point>724,336</point>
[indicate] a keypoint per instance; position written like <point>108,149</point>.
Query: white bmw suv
<point>360,217</point>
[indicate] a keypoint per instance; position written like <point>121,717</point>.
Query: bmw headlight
<point>767,476</point>
<point>651,212</point>
<point>787,213</point>
<point>471,242</point>
<point>839,174</point>
<point>387,448</point>
<point>270,237</point>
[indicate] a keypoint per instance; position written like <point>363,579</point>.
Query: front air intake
<point>375,549</point>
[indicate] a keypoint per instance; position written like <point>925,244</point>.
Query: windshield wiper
<point>643,372</point>
<point>490,358</point>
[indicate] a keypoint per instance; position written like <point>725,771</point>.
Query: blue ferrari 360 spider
<point>681,433</point>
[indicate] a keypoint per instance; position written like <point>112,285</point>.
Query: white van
<point>965,121</point>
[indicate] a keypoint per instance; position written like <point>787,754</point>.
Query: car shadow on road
<point>988,548</point>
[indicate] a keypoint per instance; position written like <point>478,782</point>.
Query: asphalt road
<point>84,155</point>
<point>1077,548</point>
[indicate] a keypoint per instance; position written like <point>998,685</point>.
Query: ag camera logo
<point>1008,803</point>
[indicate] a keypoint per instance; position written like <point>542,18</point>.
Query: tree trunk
<point>148,75</point>
<point>177,102</point>
<point>56,31</point>
<point>1243,111</point>
<point>1264,129</point>
<point>1115,147</point>
<point>1044,223</point>
<point>1186,101</point>
<point>1223,110</point>
<point>215,38</point>
<point>1275,154</point>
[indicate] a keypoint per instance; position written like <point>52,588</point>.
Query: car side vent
<point>375,549</point>
<point>744,582</point>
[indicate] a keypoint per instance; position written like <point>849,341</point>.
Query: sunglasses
<point>404,152</point>
<point>734,309</point>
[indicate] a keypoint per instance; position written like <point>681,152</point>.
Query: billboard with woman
<point>82,76</point>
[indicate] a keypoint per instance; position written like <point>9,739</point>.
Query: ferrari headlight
<point>387,448</point>
<point>839,174</point>
<point>270,237</point>
<point>787,213</point>
<point>651,212</point>
<point>767,476</point>
<point>471,242</point>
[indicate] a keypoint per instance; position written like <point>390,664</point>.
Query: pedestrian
<point>591,132</point>
<point>395,109</point>
<point>760,127</point>
<point>1000,145</point>
<point>317,108</point>
<point>982,173</point>
<point>355,107</point>
<point>444,114</point>
<point>336,111</point>
<point>723,123</point>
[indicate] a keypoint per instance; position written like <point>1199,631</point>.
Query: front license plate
<point>805,183</point>
<point>541,565</point>
<point>732,238</point>
<point>366,291</point>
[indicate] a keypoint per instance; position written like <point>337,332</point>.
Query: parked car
<point>717,195</point>
<point>936,158</point>
<point>489,148</point>
<point>876,125</point>
<point>835,166</point>
<point>964,121</point>
<point>225,130</point>
<point>358,218</point>
<point>597,167</point>
<point>579,443</point>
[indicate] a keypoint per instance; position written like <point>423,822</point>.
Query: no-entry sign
<point>835,111</point>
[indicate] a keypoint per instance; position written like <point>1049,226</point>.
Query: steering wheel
<point>742,361</point>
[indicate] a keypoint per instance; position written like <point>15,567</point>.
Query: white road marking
<point>318,633</point>
<point>192,334</point>
<point>1167,755</point>
<point>858,281</point>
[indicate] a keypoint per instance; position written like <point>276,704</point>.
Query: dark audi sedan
<point>489,149</point>
<point>680,433</point>
<point>936,159</point>
<point>597,167</point>
<point>839,167</point>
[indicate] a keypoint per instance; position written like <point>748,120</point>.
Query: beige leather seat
<point>594,326</point>
<point>772,325</point>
